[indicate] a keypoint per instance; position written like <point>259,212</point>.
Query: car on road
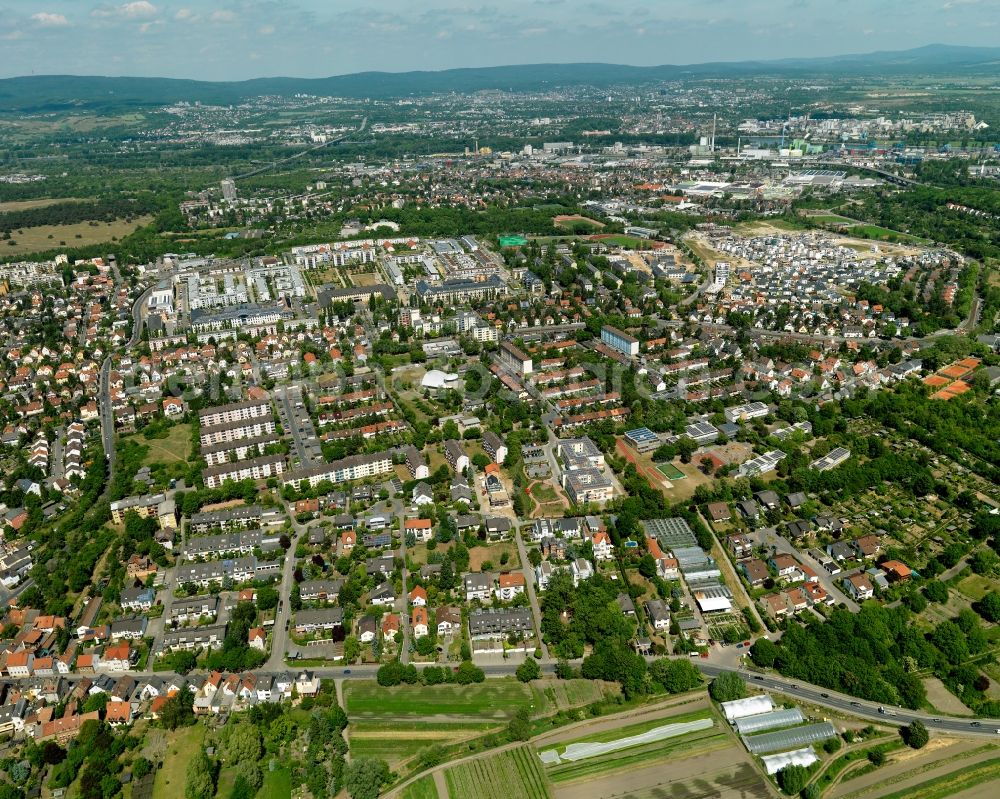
<point>976,724</point>
<point>855,704</point>
<point>347,671</point>
<point>758,677</point>
<point>825,696</point>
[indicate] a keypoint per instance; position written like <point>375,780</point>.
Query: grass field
<point>975,586</point>
<point>631,242</point>
<point>516,772</point>
<point>80,234</point>
<point>182,745</point>
<point>670,471</point>
<point>884,234</point>
<point>576,222</point>
<point>424,788</point>
<point>495,699</point>
<point>175,448</point>
<point>492,554</point>
<point>27,205</point>
<point>277,784</point>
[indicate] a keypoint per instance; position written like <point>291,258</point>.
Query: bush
<point>876,757</point>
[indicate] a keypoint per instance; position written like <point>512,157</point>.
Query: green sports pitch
<point>670,471</point>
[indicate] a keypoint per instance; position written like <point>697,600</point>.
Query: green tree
<point>250,771</point>
<point>244,743</point>
<point>727,687</point>
<point>676,676</point>
<point>519,727</point>
<point>199,783</point>
<point>529,670</point>
<point>916,734</point>
<point>792,779</point>
<point>365,776</point>
<point>989,606</point>
<point>936,591</point>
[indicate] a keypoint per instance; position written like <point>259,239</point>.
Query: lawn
<point>79,234</point>
<point>277,784</point>
<point>544,492</point>
<point>182,745</point>
<point>516,772</point>
<point>492,554</point>
<point>175,448</point>
<point>975,586</point>
<point>495,699</point>
<point>424,788</point>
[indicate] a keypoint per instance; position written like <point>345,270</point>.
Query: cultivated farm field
<point>514,772</point>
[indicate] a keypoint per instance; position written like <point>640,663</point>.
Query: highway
<point>795,689</point>
<point>273,164</point>
<point>856,707</point>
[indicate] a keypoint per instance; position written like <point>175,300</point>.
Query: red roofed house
<point>421,528</point>
<point>118,713</point>
<point>418,597</point>
<point>117,657</point>
<point>418,622</point>
<point>603,548</point>
<point>257,639</point>
<point>509,585</point>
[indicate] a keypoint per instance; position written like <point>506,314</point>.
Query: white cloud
<point>266,30</point>
<point>13,36</point>
<point>139,8</point>
<point>222,16</point>
<point>49,20</point>
<point>184,14</point>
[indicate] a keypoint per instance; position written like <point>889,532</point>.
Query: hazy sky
<point>238,39</point>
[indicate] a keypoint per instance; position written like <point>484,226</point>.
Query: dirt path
<point>338,687</point>
<point>441,784</point>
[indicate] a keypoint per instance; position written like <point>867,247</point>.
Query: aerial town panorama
<point>567,431</point>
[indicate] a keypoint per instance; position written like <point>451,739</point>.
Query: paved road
<point>855,707</point>
<point>529,587</point>
<point>404,616</point>
<point>770,537</point>
<point>105,411</point>
<point>283,615</point>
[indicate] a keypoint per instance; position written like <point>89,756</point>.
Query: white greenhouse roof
<point>800,757</point>
<point>751,706</point>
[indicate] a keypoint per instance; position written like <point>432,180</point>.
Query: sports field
<point>670,471</point>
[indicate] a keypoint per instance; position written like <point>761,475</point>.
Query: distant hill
<point>64,92</point>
